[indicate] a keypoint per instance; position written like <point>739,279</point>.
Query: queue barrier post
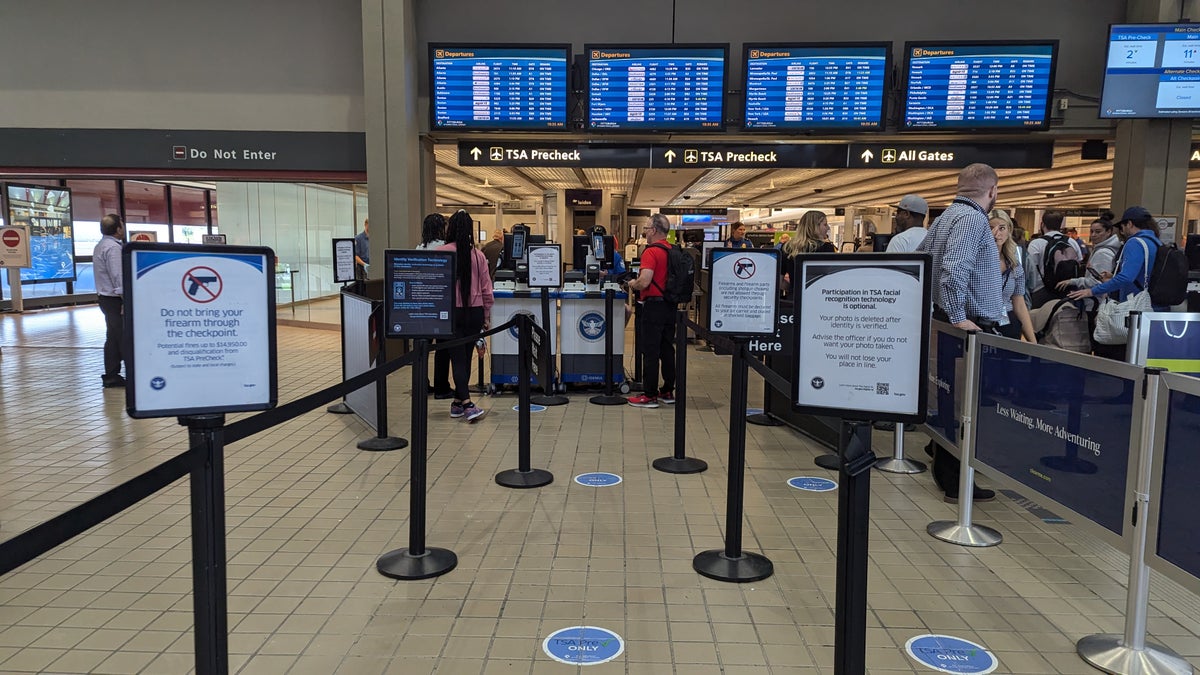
<point>732,563</point>
<point>963,532</point>
<point>854,524</point>
<point>382,440</point>
<point>341,408</point>
<point>680,462</point>
<point>524,476</point>
<point>417,561</point>
<point>209,592</point>
<point>608,397</point>
<point>898,463</point>
<point>548,397</point>
<point>1130,654</point>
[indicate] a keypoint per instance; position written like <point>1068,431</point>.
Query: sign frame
<point>131,311</point>
<point>713,281</point>
<point>851,262</point>
<point>10,218</point>
<point>1169,383</point>
<point>552,279</point>
<point>389,279</point>
<point>214,239</point>
<point>337,264</point>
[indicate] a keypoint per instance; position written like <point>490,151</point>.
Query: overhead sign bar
<point>755,155</point>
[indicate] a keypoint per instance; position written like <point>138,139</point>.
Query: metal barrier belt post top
<point>862,343</point>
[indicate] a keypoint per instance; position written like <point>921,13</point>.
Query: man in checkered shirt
<point>966,282</point>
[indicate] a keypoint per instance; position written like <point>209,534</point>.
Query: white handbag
<point>1110,320</point>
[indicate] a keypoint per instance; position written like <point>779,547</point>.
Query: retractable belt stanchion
<point>417,561</point>
<point>382,441</point>
<point>963,532</point>
<point>340,408</point>
<point>608,398</point>
<point>765,418</point>
<point>679,462</point>
<point>854,521</point>
<point>206,434</point>
<point>548,397</point>
<point>898,463</point>
<point>732,563</point>
<point>524,476</point>
<point>1130,654</point>
<point>636,384</point>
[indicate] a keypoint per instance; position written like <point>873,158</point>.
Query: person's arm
<point>1033,264</point>
<point>1133,258</point>
<point>112,264</point>
<point>1022,312</point>
<point>645,275</point>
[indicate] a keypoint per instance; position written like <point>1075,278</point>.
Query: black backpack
<point>1169,278</point>
<point>1060,262</point>
<point>681,275</point>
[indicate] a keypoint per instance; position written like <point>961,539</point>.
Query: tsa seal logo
<point>591,326</point>
<point>818,382</point>
<point>158,383</point>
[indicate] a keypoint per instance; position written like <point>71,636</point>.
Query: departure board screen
<point>979,85</point>
<point>829,86</point>
<point>656,87</point>
<point>1152,70</point>
<point>498,87</point>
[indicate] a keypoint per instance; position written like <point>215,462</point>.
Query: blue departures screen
<point>493,87</point>
<point>1153,70</point>
<point>815,87</point>
<point>1003,86</point>
<point>675,88</point>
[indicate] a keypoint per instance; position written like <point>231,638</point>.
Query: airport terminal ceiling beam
<point>528,179</point>
<point>468,176</point>
<point>678,199</point>
<point>637,183</point>
<point>583,179</point>
<point>721,198</point>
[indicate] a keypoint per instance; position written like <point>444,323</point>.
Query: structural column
<point>395,179</point>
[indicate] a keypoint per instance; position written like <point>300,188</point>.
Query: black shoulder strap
<point>666,249</point>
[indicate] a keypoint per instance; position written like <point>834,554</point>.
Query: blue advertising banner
<point>945,385</point>
<point>1173,346</point>
<point>1178,528</point>
<point>1059,429</point>
<point>47,214</point>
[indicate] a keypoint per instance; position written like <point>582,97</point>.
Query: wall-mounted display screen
<point>498,87</point>
<point>1152,70</point>
<point>815,86</point>
<point>978,85</point>
<point>47,214</point>
<point>656,87</point>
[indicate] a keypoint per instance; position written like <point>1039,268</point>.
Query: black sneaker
<point>113,382</point>
<point>667,396</point>
<point>980,495</point>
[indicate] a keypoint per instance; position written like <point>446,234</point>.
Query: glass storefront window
<point>145,203</point>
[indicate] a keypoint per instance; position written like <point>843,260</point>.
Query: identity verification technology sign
<point>199,329</point>
<point>862,335</point>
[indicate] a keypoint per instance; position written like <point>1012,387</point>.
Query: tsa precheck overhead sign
<point>200,329</point>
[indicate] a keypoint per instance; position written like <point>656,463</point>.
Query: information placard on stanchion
<point>14,246</point>
<point>743,289</point>
<point>862,336</point>
<point>545,266</point>
<point>419,287</point>
<point>199,329</point>
<point>343,260</point>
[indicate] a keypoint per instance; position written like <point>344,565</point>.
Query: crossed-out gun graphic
<point>196,281</point>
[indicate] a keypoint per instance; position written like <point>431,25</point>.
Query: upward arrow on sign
<point>475,153</point>
<point>866,156</point>
<point>670,155</point>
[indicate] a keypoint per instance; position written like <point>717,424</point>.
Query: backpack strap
<point>1145,263</point>
<point>667,251</point>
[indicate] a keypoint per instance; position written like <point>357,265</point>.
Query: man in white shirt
<point>106,268</point>
<point>910,225</point>
<point>1035,257</point>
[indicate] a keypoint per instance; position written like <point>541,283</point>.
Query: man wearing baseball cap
<point>910,225</point>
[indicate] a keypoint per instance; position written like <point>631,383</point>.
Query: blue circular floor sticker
<point>598,479</point>
<point>533,407</point>
<point>583,645</point>
<point>811,484</point>
<point>947,654</point>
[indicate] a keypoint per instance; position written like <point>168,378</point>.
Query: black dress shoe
<point>979,495</point>
<point>113,382</point>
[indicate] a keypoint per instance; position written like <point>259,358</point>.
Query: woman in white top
<point>1102,262</point>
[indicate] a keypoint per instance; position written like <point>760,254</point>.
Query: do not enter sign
<point>14,246</point>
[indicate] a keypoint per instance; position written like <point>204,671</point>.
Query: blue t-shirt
<point>362,247</point>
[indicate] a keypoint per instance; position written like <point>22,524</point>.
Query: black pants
<point>441,371</point>
<point>657,344</point>
<point>114,324</point>
<point>469,322</point>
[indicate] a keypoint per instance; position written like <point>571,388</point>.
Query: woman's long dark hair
<point>433,228</point>
<point>460,234</point>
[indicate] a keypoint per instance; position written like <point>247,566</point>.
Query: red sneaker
<point>643,401</point>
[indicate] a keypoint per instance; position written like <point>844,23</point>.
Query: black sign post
<point>532,342</point>
<point>608,397</point>
<point>679,462</point>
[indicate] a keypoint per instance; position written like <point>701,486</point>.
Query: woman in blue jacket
<point>1140,231</point>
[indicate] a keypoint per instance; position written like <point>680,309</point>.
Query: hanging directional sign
<point>514,153</point>
<point>750,156</point>
<point>949,155</point>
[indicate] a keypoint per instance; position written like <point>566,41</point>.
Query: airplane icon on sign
<point>889,156</point>
<point>497,154</point>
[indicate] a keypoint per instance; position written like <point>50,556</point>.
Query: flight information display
<point>830,86</point>
<point>979,85</point>
<point>1152,70</point>
<point>645,87</point>
<point>505,87</point>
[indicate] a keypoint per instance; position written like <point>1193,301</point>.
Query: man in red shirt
<point>657,330</point>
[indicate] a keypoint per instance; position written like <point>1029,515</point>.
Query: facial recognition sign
<point>545,266</point>
<point>343,260</point>
<point>199,329</point>
<point>743,292</point>
<point>14,246</point>
<point>862,335</point>
<point>419,287</point>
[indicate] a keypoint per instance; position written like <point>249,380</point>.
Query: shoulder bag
<point>1110,320</point>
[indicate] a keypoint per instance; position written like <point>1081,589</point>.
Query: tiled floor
<point>308,515</point>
